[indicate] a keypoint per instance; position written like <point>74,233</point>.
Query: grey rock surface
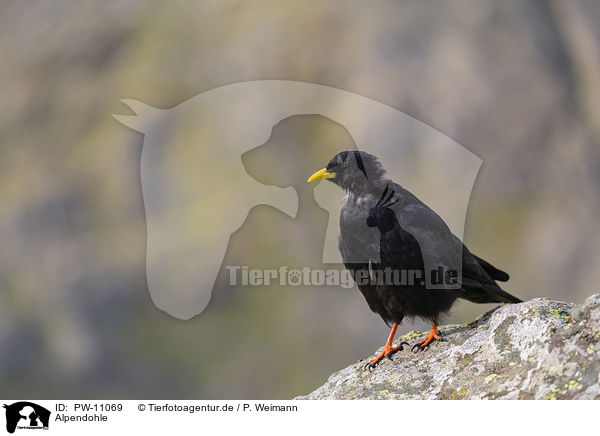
<point>539,349</point>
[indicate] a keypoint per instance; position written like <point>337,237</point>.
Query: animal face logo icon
<point>197,192</point>
<point>25,414</point>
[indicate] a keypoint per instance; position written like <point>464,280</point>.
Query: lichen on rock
<point>539,349</point>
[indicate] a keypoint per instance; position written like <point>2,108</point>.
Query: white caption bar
<point>150,417</point>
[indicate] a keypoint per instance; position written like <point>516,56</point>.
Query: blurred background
<point>515,82</point>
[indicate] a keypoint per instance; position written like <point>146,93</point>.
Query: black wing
<point>441,247</point>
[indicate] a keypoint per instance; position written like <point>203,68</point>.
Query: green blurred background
<point>516,82</point>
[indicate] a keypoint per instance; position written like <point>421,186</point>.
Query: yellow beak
<point>320,175</point>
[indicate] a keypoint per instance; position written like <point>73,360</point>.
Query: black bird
<point>395,246</point>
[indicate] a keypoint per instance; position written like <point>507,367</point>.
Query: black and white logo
<point>26,415</point>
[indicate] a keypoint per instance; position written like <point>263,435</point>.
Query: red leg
<point>433,334</point>
<point>388,350</point>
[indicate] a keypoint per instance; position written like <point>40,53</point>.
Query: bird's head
<point>353,171</point>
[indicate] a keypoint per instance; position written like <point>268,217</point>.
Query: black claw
<point>420,347</point>
<point>370,366</point>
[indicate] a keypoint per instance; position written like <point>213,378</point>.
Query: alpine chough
<point>395,246</point>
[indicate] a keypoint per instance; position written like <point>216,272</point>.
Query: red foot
<point>388,350</point>
<point>434,334</point>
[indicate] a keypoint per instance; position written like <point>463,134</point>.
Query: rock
<point>539,349</point>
